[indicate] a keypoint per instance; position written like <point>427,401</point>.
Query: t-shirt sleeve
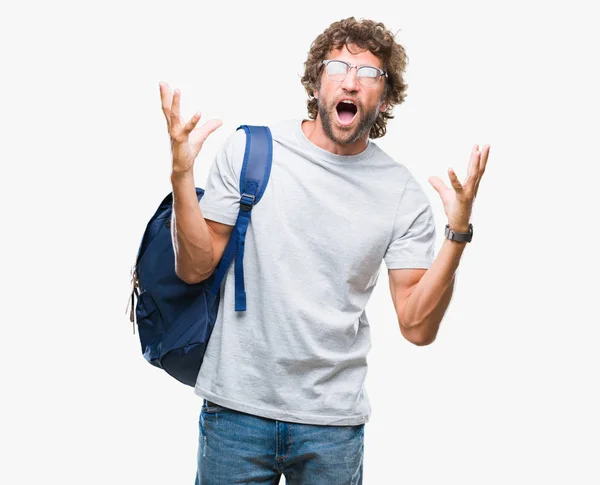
<point>221,199</point>
<point>413,237</point>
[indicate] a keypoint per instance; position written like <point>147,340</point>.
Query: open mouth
<point>346,112</point>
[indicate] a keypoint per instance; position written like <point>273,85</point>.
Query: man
<point>283,381</point>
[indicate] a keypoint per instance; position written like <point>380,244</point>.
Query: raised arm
<point>198,243</point>
<point>421,297</point>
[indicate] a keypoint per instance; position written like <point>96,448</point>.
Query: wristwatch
<point>459,236</point>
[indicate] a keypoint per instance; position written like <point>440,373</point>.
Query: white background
<point>508,393</point>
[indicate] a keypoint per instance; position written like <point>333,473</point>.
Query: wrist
<point>458,233</point>
<point>178,176</point>
<point>459,227</point>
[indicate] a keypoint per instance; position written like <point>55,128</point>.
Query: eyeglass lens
<point>367,76</point>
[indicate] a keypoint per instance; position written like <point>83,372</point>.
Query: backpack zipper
<point>135,284</point>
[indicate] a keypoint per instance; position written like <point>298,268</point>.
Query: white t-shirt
<point>312,257</point>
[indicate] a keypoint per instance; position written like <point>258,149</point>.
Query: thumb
<point>207,129</point>
<point>438,184</point>
<point>200,133</point>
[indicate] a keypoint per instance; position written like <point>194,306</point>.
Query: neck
<point>313,130</point>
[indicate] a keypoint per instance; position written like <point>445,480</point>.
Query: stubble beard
<point>347,137</point>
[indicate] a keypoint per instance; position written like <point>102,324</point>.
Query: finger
<point>207,129</point>
<point>473,170</point>
<point>484,158</point>
<point>473,162</point>
<point>481,167</point>
<point>438,184</point>
<point>456,185</point>
<point>190,125</point>
<point>175,107</point>
<point>166,98</point>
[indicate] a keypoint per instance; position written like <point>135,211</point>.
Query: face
<point>345,124</point>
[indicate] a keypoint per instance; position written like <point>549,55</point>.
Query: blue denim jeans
<point>236,447</point>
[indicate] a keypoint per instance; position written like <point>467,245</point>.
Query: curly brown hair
<point>365,34</point>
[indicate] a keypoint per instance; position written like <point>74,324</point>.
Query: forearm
<point>192,241</point>
<point>428,302</point>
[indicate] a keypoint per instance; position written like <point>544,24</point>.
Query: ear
<point>316,94</point>
<point>383,107</point>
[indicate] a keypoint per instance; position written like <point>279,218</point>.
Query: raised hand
<point>186,140</point>
<point>458,200</point>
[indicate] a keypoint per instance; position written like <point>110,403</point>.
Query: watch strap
<point>458,236</point>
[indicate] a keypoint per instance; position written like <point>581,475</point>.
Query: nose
<point>351,81</point>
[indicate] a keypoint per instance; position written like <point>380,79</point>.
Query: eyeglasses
<point>368,76</point>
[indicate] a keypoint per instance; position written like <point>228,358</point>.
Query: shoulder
<point>232,150</point>
<point>396,173</point>
<point>284,129</point>
<point>387,162</point>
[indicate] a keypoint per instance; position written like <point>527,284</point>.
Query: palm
<point>197,138</point>
<point>186,139</point>
<point>458,199</point>
<point>448,197</point>
<point>189,148</point>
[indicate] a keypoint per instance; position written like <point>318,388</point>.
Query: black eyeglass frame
<point>382,73</point>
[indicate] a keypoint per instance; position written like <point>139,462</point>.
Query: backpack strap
<point>256,168</point>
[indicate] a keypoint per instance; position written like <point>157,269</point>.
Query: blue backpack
<point>175,319</point>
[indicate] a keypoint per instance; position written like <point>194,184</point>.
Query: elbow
<point>190,277</point>
<point>418,335</point>
<point>189,280</point>
<point>422,342</point>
